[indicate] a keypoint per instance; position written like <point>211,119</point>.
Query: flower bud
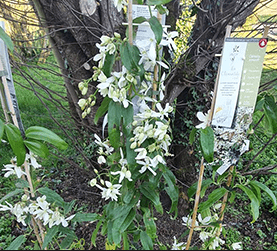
<point>93,182</point>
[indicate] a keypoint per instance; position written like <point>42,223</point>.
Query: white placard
<point>229,83</point>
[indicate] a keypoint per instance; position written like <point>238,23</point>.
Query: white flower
<point>147,164</point>
<point>124,173</point>
<point>32,157</point>
<point>141,153</point>
<point>216,242</point>
<point>204,221</point>
<point>204,118</point>
<point>204,236</point>
<point>13,169</point>
<point>111,191</point>
<point>164,112</point>
<point>237,246</point>
<point>168,40</point>
<point>119,4</point>
<point>178,246</point>
<point>101,160</point>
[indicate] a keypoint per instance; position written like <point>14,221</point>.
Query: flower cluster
<point>40,208</point>
<point>208,229</point>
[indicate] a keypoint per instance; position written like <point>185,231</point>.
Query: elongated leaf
<point>37,147</point>
<point>70,237</point>
<point>114,115</point>
<point>149,224</point>
<point>49,236</point>
<point>68,206</point>
<point>192,135</point>
<point>95,231</point>
<point>157,28</point>
<point>103,108</point>
<point>80,217</point>
<point>270,110</point>
<point>267,190</point>
<point>108,64</point>
<point>158,2</point>
<point>2,129</point>
<point>213,197</point>
<point>207,143</point>
<point>16,141</point>
<point>7,40</point>
<point>146,241</point>
<point>43,134</point>
<point>172,190</point>
<point>192,189</point>
<point>139,20</point>
<point>127,221</point>
<point>114,138</point>
<point>15,245</point>
<point>149,192</point>
<point>51,196</point>
<point>255,205</point>
<point>11,194</point>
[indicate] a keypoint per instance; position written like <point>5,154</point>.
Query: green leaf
<point>192,189</point>
<point>80,217</point>
<point>114,137</point>
<point>2,129</point>
<point>11,194</point>
<point>127,221</point>
<point>158,2</point>
<point>15,245</point>
<point>16,141</point>
<point>94,233</point>
<point>70,237</point>
<point>51,196</point>
<point>267,190</point>
<point>146,241</point>
<point>43,134</point>
<point>114,115</point>
<point>139,20</point>
<point>192,135</point>
<point>254,202</point>
<point>7,40</point>
<point>207,143</point>
<point>103,108</point>
<point>149,192</point>
<point>108,64</point>
<point>130,56</point>
<point>213,197</point>
<point>49,236</point>
<point>270,111</point>
<point>172,190</point>
<point>37,147</point>
<point>157,28</point>
<point>68,206</point>
<point>149,224</point>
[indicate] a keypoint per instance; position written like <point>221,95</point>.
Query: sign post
<point>8,96</point>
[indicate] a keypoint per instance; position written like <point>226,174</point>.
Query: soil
<point>74,186</point>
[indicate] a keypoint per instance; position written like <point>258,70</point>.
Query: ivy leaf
<point>16,141</point>
<point>207,143</point>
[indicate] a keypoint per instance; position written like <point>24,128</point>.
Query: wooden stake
<point>201,172</point>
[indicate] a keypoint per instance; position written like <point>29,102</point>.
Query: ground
<point>74,185</point>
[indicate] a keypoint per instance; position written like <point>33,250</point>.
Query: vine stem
<point>201,172</point>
